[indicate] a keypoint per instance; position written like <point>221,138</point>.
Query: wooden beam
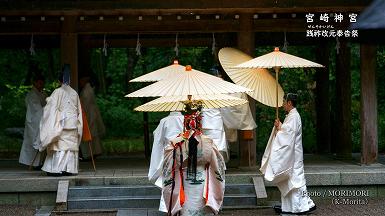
<point>369,130</point>
<point>151,26</point>
<point>156,7</point>
<point>227,39</point>
<point>135,26</point>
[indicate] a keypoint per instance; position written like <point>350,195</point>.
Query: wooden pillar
<point>69,47</point>
<point>323,100</point>
<point>146,132</point>
<point>246,43</point>
<point>343,102</point>
<point>84,57</point>
<point>369,130</point>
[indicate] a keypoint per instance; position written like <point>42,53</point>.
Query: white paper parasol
<point>258,79</point>
<point>162,73</point>
<point>277,60</point>
<point>175,103</point>
<point>189,82</point>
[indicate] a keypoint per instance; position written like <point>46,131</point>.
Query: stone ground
<point>374,207</point>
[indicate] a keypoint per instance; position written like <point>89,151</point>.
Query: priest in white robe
<point>212,126</point>
<point>221,124</point>
<point>61,129</point>
<point>94,119</point>
<point>282,162</point>
<point>237,118</point>
<point>35,102</point>
<point>168,129</point>
<point>193,172</point>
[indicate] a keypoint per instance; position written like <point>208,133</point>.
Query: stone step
<point>141,211</point>
<point>141,190</point>
<point>114,202</point>
<point>103,191</point>
<point>232,200</point>
<point>118,202</point>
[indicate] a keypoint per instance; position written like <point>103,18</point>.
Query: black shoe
<point>313,208</point>
<point>54,174</point>
<point>277,209</point>
<point>302,213</point>
<point>67,174</point>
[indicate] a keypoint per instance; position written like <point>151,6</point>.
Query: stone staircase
<point>146,197</point>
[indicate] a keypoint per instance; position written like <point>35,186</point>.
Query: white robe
<point>282,163</point>
<point>221,124</point>
<point>95,122</point>
<point>168,129</point>
<point>35,101</point>
<point>61,130</point>
<point>238,117</point>
<point>204,198</point>
<point>212,126</point>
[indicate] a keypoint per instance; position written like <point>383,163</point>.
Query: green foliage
<point>14,67</point>
<point>9,146</point>
<point>15,75</point>
<point>12,108</point>
<point>115,146</point>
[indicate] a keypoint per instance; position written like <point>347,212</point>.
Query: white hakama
<point>59,157</point>
<point>297,200</point>
<point>61,161</point>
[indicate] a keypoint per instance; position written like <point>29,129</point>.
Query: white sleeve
<point>156,153</point>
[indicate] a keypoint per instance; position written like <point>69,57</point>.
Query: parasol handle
<point>276,91</point>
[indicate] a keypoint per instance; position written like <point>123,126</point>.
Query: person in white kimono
<point>61,129</point>
<point>169,127</point>
<point>94,119</point>
<point>237,118</point>
<point>212,125</point>
<point>35,102</point>
<point>193,171</point>
<point>282,162</point>
<point>221,124</point>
